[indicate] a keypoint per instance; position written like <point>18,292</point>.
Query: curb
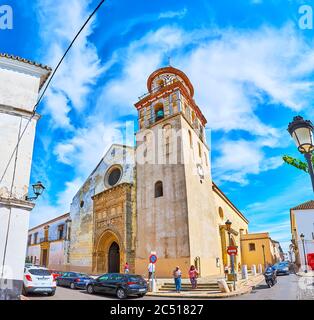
<point>240,292</point>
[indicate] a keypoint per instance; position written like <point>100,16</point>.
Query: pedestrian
<point>151,270</point>
<point>226,271</point>
<point>177,278</point>
<point>239,267</point>
<point>126,268</point>
<point>193,274</point>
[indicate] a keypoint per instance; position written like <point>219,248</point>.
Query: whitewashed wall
<point>305,224</point>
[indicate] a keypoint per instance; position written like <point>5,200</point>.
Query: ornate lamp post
<point>228,224</point>
<point>302,133</point>
<point>38,189</point>
<point>305,260</point>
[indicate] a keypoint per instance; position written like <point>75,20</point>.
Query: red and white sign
<point>232,250</point>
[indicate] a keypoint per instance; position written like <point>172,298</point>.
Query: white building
<point>20,82</point>
<point>47,243</point>
<point>302,222</point>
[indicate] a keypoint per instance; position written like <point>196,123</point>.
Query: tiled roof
<point>9,56</point>
<point>305,206</point>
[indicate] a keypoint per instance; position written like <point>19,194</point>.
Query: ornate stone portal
<point>114,229</point>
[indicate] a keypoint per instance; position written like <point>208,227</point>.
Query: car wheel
<point>90,289</point>
<point>141,295</point>
<point>51,294</point>
<point>121,293</point>
<point>72,285</point>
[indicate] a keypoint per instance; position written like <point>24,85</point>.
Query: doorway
<point>44,257</point>
<point>114,258</point>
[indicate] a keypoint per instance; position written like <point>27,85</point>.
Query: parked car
<point>74,280</point>
<point>28,264</point>
<point>121,285</point>
<point>38,280</point>
<point>282,268</point>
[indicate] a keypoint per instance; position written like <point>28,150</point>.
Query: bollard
<point>260,268</point>
<point>223,286</point>
<point>253,269</point>
<point>244,272</point>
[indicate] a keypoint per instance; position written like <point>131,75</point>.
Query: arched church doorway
<point>114,258</point>
<point>109,253</point>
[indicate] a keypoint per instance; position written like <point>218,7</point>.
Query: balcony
<point>50,239</point>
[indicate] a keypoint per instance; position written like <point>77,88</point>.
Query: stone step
<point>214,284</point>
<point>190,289</point>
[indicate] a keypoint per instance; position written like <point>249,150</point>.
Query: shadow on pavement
<point>112,297</point>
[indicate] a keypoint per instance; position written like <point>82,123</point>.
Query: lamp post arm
<point>308,157</point>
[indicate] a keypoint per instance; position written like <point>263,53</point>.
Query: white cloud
<point>173,14</point>
<point>240,158</point>
<point>85,149</point>
<point>59,22</point>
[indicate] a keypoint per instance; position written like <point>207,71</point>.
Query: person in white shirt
<point>151,269</point>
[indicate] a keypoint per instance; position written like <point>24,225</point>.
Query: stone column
<point>253,269</point>
<point>260,268</point>
<point>244,272</point>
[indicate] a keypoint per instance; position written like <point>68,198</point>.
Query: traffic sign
<point>153,258</point>
<point>232,250</point>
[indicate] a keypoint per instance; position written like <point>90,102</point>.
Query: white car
<point>38,280</point>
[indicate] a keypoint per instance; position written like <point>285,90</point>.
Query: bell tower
<point>175,204</point>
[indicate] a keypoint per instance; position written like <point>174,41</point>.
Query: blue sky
<point>250,64</point>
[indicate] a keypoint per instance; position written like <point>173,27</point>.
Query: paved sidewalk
<point>244,287</point>
<point>308,274</point>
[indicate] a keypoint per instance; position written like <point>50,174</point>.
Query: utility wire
<point>47,85</point>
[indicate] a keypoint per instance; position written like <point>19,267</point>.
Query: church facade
<point>157,197</point>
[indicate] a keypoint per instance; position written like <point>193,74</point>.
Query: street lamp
<point>38,189</point>
<point>305,260</point>
<point>302,133</point>
<point>228,224</point>
<point>263,247</point>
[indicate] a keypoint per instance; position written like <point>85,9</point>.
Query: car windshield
<point>39,272</point>
<point>82,275</point>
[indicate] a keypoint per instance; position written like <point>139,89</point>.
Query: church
<point>157,197</point>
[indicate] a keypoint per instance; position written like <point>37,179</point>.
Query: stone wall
<point>114,221</point>
<point>82,206</point>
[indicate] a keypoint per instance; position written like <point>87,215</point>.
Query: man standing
<point>151,270</point>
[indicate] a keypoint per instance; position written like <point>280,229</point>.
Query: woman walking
<point>193,273</point>
<point>177,279</point>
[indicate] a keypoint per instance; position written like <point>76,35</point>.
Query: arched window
<point>221,213</point>
<point>206,161</point>
<point>159,111</point>
<point>158,189</point>
<point>160,83</point>
<point>199,150</point>
<point>190,138</point>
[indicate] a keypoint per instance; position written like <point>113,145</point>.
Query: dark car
<point>121,285</point>
<point>74,280</point>
<point>282,268</point>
